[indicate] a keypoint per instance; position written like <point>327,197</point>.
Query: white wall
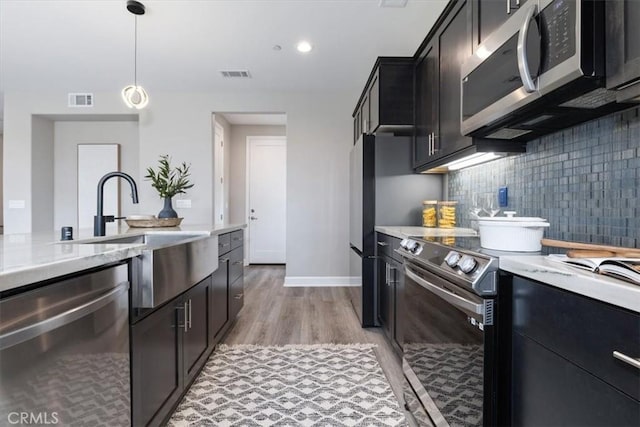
<point>319,135</point>
<point>1,185</point>
<point>238,177</point>
<point>42,137</point>
<point>67,137</point>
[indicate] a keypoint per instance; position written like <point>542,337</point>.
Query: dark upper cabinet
<point>437,97</point>
<point>623,48</point>
<point>489,15</point>
<point>426,105</point>
<point>386,103</point>
<point>454,48</point>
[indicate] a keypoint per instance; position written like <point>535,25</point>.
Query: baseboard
<point>320,281</point>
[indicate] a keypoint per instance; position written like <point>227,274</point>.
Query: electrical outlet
<point>183,203</point>
<point>503,197</point>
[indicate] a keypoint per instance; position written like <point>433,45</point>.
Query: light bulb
<point>135,97</point>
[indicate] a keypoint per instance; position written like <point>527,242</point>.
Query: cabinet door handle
<point>223,260</point>
<point>627,359</point>
<point>185,317</point>
<point>190,313</point>
<point>430,144</point>
<point>383,244</point>
<point>508,7</point>
<point>239,296</point>
<point>237,262</point>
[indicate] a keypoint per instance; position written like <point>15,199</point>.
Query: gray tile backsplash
<point>584,180</point>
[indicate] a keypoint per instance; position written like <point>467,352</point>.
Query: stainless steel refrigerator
<point>384,190</point>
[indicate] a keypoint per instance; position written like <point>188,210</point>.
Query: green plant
<point>167,180</point>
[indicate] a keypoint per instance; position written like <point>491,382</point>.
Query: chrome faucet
<point>100,221</point>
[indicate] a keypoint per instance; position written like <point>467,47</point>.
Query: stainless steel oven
<point>541,71</point>
<point>450,357</point>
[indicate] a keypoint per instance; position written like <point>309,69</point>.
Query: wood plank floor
<point>275,315</point>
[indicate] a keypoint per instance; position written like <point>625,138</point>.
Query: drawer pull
<point>236,239</point>
<point>626,359</point>
<point>237,262</point>
<point>239,296</point>
<point>383,244</point>
<point>223,260</point>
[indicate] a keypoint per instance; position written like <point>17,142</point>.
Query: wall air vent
<point>80,100</point>
<point>243,74</point>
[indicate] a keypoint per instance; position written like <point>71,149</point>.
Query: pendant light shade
<point>135,96</point>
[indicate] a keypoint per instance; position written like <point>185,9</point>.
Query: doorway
<point>266,199</point>
<point>218,185</point>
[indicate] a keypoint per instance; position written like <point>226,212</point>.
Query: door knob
<point>253,218</point>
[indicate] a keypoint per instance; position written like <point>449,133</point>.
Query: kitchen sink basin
<point>170,263</point>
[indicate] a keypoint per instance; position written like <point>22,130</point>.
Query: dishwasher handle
<point>31,331</point>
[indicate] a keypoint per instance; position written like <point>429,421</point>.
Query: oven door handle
<point>449,297</point>
<point>523,65</point>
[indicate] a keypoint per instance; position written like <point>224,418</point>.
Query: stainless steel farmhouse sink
<point>170,264</point>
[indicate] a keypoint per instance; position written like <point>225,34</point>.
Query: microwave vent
<point>594,99</point>
<point>507,133</point>
<point>242,74</point>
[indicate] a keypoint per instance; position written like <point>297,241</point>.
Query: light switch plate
<point>16,204</point>
<point>183,203</point>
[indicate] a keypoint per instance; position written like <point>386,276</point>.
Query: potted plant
<point>168,182</point>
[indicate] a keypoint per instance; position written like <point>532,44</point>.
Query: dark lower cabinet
<point>549,390</point>
<point>390,287</point>
<point>219,298</point>
<point>196,335</point>
<point>170,345</point>
<point>156,364</point>
<point>563,367</point>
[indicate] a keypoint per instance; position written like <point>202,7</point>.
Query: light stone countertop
<point>32,258</point>
<point>403,232</point>
<point>573,279</point>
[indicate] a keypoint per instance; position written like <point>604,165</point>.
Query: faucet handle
<point>109,218</point>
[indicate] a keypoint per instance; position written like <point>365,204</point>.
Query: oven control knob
<point>404,243</point>
<point>411,246</point>
<point>417,248</point>
<point>467,264</point>
<point>452,258</point>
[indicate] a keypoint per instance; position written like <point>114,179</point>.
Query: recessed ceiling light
<point>304,47</point>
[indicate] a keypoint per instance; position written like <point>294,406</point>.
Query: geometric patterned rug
<point>292,385</point>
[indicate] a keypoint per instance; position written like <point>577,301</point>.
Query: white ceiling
<point>87,45</point>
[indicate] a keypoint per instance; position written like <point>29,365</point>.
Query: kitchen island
<point>30,258</point>
<point>138,311</point>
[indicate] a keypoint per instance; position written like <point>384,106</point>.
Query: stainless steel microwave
<point>543,70</point>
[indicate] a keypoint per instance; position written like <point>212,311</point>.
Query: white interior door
<point>218,186</point>
<point>267,197</point>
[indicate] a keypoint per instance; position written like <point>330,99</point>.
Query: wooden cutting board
<point>585,250</point>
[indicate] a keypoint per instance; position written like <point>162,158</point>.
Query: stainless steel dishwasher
<point>64,352</point>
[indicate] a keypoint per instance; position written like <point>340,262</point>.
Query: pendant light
<point>133,95</point>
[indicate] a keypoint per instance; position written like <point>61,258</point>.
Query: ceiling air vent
<point>80,100</point>
<point>243,74</point>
